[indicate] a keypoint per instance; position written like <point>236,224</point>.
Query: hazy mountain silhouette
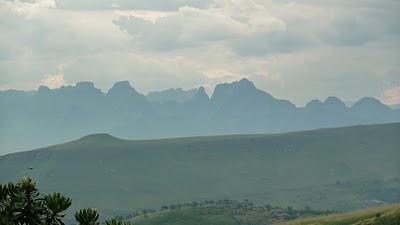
<point>395,106</point>
<point>172,95</point>
<point>47,116</point>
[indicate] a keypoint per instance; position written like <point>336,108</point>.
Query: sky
<point>295,50</point>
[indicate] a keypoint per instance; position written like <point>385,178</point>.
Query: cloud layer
<point>293,49</point>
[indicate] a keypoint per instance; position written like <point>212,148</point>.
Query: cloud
<point>260,28</point>
<point>54,81</point>
<point>296,50</point>
<point>391,96</point>
<point>152,5</point>
<point>41,29</point>
<point>28,9</point>
<point>192,27</point>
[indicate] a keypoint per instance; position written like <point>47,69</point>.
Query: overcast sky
<point>295,50</point>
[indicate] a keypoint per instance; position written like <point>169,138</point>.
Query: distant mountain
<point>337,169</point>
<point>48,116</point>
<point>240,107</point>
<point>395,106</point>
<point>172,95</point>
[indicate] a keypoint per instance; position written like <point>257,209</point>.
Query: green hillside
<point>337,169</point>
<point>222,212</point>
<point>201,215</point>
<point>386,215</point>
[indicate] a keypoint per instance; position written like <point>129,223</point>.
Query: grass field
<point>222,212</point>
<point>385,215</point>
<point>338,169</point>
<point>187,217</point>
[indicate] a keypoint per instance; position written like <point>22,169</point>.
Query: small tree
<point>116,222</point>
<point>27,207</point>
<point>22,204</point>
<point>56,205</point>
<point>87,216</point>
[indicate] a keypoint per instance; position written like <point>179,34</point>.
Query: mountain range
<point>32,119</point>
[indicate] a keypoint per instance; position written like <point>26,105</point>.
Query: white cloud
<point>391,96</point>
<point>192,27</point>
<point>54,81</point>
<point>28,9</point>
<point>151,5</point>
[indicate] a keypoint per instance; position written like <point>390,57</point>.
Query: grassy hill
<point>337,169</point>
<point>201,215</point>
<point>386,215</point>
<point>221,212</point>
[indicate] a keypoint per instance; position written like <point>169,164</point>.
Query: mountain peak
<point>201,90</point>
<point>122,84</point>
<point>245,80</point>
<point>238,87</point>
<point>245,83</point>
<point>334,102</point>
<point>178,95</point>
<point>43,88</point>
<point>332,99</point>
<point>369,103</point>
<point>85,85</point>
<point>314,103</point>
<point>103,137</point>
<point>201,94</point>
<point>122,88</point>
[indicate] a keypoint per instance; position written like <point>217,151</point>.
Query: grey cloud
<point>332,26</point>
<point>162,5</point>
<point>271,43</point>
<point>190,27</point>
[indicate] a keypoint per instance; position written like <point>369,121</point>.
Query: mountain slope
<point>221,212</point>
<point>241,214</point>
<point>50,116</point>
<point>338,169</point>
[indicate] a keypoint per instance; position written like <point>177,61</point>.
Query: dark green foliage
<point>21,204</point>
<point>56,204</point>
<point>28,208</point>
<point>117,222</point>
<point>87,216</point>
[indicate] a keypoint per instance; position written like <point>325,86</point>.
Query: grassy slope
<point>291,169</point>
<point>388,215</point>
<point>187,217</point>
<point>223,212</point>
